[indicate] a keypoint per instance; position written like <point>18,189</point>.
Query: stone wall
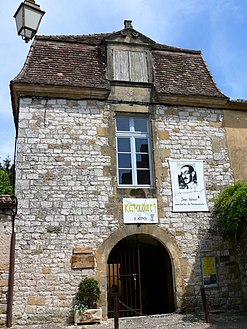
<point>187,133</point>
<point>63,187</point>
<point>68,199</point>
<point>235,123</point>
<point>5,236</point>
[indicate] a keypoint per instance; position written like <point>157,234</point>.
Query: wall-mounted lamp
<point>28,17</point>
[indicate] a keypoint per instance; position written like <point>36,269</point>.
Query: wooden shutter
<point>138,66</point>
<point>130,66</point>
<point>120,65</point>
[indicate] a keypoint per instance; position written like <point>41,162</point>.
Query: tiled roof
<point>179,72</point>
<point>77,61</point>
<point>65,61</point>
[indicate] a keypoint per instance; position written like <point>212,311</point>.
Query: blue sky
<point>217,27</point>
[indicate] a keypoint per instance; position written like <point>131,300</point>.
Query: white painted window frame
<point>132,134</point>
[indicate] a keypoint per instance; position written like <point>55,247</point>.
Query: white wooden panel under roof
<point>130,66</point>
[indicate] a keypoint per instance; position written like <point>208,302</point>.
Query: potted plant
<point>86,309</point>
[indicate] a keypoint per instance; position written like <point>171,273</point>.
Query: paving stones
<point>171,321</point>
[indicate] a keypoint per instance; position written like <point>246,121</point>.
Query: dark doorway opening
<point>140,274</point>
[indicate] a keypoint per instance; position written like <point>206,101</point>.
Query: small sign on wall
<point>82,258</point>
<point>209,274</point>
<point>140,211</point>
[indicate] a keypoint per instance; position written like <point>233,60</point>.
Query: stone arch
<point>179,264</point>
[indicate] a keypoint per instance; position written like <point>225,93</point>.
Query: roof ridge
<point>162,47</point>
<point>51,36</point>
<point>71,37</point>
<point>86,37</point>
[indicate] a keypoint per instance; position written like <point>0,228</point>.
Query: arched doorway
<point>140,273</point>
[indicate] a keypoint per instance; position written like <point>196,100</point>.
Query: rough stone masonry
<point>68,198</point>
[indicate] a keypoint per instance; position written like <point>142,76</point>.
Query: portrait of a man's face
<point>187,178</point>
<point>188,187</point>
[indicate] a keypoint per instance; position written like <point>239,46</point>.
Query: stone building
<point>7,241</point>
<point>5,235</point>
<point>112,130</point>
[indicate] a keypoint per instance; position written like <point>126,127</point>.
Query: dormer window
<point>130,65</point>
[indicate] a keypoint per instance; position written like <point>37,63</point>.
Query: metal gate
<point>124,278</point>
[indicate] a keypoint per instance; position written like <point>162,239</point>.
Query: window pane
<point>123,144</point>
<point>141,145</point>
<point>143,177</point>
<point>133,158</point>
<point>125,176</point>
<point>123,124</point>
<point>141,124</point>
<point>142,161</point>
<point>124,160</point>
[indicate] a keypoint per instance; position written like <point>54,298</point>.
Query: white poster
<point>143,211</point>
<point>188,188</point>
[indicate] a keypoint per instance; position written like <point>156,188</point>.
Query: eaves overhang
<point>238,105</point>
<point>18,90</point>
<point>192,100</point>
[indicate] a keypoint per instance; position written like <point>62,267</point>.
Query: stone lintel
<point>130,108</point>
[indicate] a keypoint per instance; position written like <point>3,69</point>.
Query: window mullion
<point>150,162</point>
<point>133,150</point>
<point>133,159</point>
<point>132,126</point>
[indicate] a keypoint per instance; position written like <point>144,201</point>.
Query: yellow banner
<point>208,266</point>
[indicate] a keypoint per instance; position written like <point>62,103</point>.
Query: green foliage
<point>6,177</point>
<point>231,207</point>
<point>88,294</point>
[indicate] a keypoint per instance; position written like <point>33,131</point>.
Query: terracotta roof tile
<point>77,61</point>
<point>183,73</point>
<point>52,61</point>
